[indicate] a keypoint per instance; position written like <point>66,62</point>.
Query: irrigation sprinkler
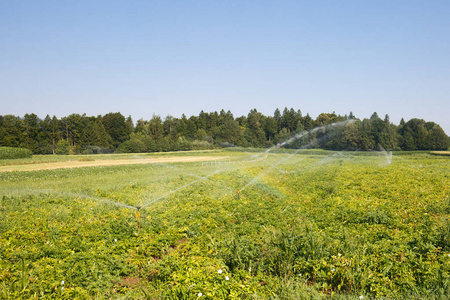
<point>138,212</point>
<point>239,197</point>
<point>284,175</point>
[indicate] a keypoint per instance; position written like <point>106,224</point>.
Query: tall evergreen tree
<point>308,122</point>
<point>30,132</point>
<point>116,127</point>
<point>95,137</point>
<point>11,133</point>
<point>55,134</point>
<point>44,136</point>
<point>156,129</point>
<point>130,125</point>
<point>277,117</point>
<point>255,135</point>
<point>191,127</point>
<point>270,127</point>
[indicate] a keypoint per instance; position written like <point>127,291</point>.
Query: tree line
<point>81,134</point>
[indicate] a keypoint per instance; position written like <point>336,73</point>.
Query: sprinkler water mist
<point>138,212</point>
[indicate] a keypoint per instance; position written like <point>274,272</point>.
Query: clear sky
<point>171,57</point>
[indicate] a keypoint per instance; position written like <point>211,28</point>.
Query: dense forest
<point>81,134</point>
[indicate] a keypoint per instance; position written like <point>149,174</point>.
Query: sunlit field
<point>251,224</point>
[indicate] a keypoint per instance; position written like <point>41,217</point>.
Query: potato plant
<point>304,225</point>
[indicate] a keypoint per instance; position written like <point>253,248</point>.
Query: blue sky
<point>171,57</point>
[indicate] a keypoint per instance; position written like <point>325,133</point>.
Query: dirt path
<point>445,153</point>
<point>106,162</point>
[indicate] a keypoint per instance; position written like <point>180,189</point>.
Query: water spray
<point>180,188</point>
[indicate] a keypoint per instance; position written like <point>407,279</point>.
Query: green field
<point>304,225</point>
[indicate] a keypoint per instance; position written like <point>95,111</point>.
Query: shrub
<point>87,151</point>
<point>96,150</point>
<point>13,153</point>
<point>62,148</point>
<point>201,145</point>
<point>132,146</point>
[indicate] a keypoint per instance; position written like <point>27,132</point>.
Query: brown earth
<point>444,153</point>
<point>106,162</point>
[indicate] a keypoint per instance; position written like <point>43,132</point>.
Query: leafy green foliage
<point>306,224</point>
<point>115,133</point>
<point>14,153</point>
<point>62,147</point>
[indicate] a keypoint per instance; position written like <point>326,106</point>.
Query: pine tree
<point>116,127</point>
<point>30,132</point>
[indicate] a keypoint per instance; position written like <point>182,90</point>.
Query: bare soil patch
<point>444,153</point>
<point>107,162</point>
